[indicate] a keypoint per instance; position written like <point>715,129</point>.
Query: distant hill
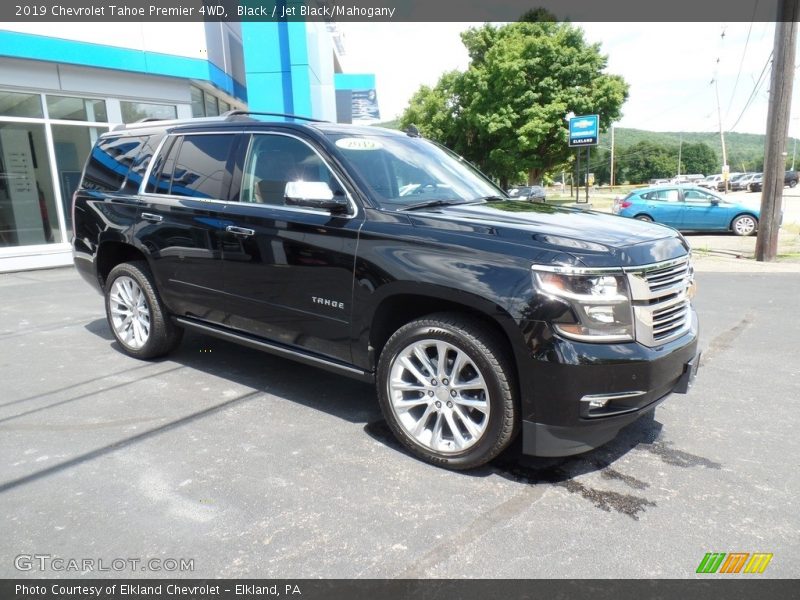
<point>393,124</point>
<point>744,149</point>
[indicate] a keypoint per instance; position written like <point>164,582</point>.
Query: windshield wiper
<point>490,199</point>
<point>434,203</point>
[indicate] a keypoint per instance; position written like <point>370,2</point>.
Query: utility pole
<point>588,151</point>
<point>680,150</point>
<point>612,158</point>
<point>722,135</point>
<point>780,101</point>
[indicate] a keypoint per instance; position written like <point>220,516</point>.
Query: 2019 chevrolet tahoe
<point>384,256</point>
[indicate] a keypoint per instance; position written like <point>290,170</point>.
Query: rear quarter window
<point>195,165</point>
<point>110,162</point>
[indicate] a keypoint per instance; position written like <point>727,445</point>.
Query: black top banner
<point>390,10</point>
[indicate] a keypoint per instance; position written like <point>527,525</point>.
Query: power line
<point>741,62</point>
<point>759,82</point>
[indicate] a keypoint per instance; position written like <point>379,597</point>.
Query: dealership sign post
<point>583,131</point>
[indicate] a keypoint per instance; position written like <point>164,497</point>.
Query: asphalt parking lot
<point>255,466</point>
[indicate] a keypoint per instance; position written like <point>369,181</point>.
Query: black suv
<point>384,256</point>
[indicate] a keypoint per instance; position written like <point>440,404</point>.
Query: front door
<point>701,210</point>
<point>289,270</point>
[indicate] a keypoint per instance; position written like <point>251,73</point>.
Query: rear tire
<point>645,218</point>
<point>135,313</point>
<point>744,225</point>
<point>447,390</point>
<point>792,183</point>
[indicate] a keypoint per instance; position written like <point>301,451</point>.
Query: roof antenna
<point>412,131</point>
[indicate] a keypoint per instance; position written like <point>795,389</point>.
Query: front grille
<point>660,294</point>
<point>667,277</point>
<point>670,320</point>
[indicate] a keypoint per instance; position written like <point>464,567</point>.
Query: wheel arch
<point>110,253</point>
<point>395,310</point>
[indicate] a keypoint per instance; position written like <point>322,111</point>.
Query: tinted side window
<point>275,160</point>
<point>200,167</point>
<point>140,164</point>
<point>110,161</point>
<point>161,173</point>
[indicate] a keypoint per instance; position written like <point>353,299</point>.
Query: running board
<point>277,349</point>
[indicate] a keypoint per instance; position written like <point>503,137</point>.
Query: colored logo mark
<point>734,562</point>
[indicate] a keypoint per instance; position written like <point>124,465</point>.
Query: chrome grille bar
<point>661,306</point>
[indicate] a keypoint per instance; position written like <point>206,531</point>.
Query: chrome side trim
<point>610,397</point>
<point>277,349</point>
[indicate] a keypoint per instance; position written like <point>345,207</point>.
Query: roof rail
<point>236,112</point>
<point>148,120</point>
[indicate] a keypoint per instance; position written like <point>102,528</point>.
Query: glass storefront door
<point>72,144</point>
<point>28,214</point>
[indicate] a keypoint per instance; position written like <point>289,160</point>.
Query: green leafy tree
<point>647,160</point>
<point>699,158</point>
<point>506,112</point>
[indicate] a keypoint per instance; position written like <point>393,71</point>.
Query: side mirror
<point>714,202</point>
<point>314,194</point>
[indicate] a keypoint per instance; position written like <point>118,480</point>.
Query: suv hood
<point>578,232</point>
<point>520,220</point>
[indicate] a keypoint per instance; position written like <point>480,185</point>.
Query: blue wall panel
<point>37,47</point>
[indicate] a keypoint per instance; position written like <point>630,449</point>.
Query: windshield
<point>404,171</point>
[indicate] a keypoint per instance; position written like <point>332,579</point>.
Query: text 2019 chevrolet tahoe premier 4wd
<point>384,256</point>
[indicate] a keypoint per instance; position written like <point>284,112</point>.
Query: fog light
<point>598,402</point>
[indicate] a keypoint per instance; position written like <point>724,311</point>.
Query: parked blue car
<point>689,208</point>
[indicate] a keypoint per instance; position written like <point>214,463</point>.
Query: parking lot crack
<point>485,522</point>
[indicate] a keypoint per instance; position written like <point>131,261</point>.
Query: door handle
<point>239,230</point>
<point>152,218</point>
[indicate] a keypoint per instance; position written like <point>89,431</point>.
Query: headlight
<point>599,300</point>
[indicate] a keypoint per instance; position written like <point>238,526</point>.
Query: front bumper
<point>579,396</point>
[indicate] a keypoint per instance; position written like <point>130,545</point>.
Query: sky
<point>669,67</point>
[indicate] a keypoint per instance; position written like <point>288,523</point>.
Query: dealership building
<point>63,84</point>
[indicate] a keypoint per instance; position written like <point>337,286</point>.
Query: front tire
<point>744,225</point>
<point>447,390</point>
<point>135,313</point>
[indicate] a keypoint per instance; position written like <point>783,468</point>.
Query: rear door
<point>289,270</point>
<point>664,206</point>
<point>181,221</point>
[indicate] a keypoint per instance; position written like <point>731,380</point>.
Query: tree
<point>506,112</point>
<point>601,167</point>
<point>698,158</point>
<point>648,160</point>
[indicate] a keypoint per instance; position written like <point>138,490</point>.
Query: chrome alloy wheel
<point>130,314</point>
<point>439,396</point>
<point>745,225</point>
